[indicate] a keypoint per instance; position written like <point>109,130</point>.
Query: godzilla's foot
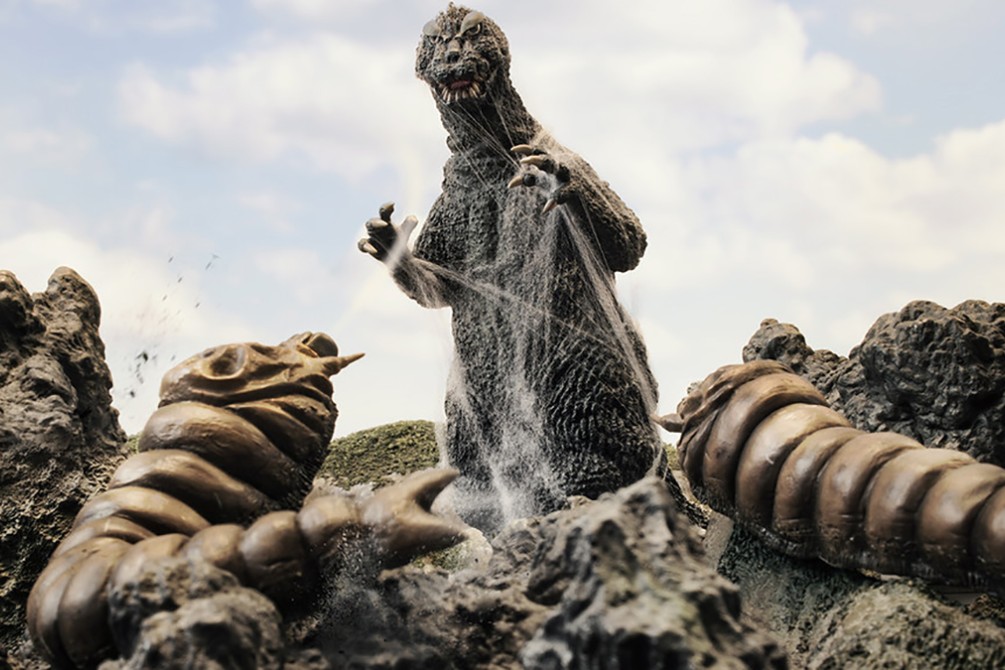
<point>401,519</point>
<point>539,159</point>
<point>384,239</point>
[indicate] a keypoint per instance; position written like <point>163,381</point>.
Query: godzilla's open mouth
<point>461,87</point>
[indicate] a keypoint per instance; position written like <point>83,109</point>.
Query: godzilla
<point>550,393</point>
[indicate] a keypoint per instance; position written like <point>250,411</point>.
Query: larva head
<point>250,371</point>
<point>463,55</point>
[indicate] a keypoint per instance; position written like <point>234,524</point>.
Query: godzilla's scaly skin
<point>541,356</point>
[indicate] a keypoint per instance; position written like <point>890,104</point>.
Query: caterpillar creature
<point>239,434</point>
<point>758,443</point>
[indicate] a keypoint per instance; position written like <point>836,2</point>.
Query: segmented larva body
<point>240,432</point>
<point>759,444</point>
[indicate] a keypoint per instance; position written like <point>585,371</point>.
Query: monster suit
<point>550,394</point>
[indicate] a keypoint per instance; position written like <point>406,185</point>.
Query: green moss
<point>372,455</point>
<point>673,462</point>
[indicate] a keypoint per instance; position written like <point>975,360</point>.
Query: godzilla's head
<point>250,371</point>
<point>463,56</point>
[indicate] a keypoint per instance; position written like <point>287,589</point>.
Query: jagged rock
<point>189,614</point>
<point>829,619</point>
<point>616,583</point>
<point>935,374</point>
<point>59,436</point>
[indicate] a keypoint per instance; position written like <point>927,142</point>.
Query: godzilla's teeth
<point>476,88</point>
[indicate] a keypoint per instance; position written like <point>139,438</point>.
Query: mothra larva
<point>758,443</point>
<point>240,432</point>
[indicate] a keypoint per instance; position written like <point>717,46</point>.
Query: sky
<point>208,166</point>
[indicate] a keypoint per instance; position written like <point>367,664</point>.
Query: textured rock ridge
<point>932,373</point>
<point>59,435</point>
<point>616,583</point>
<point>829,619</point>
<point>179,614</point>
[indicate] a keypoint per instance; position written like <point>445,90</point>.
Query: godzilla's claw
<point>401,518</point>
<point>540,161</point>
<point>522,179</point>
<point>525,150</point>
<point>366,247</point>
<point>386,210</point>
<point>408,225</point>
<point>383,236</point>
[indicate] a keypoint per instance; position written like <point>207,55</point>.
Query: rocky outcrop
<point>937,375</point>
<point>934,374</point>
<point>59,436</point>
<point>178,614</point>
<point>829,619</point>
<point>617,583</point>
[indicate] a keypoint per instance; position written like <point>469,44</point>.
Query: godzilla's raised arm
<point>611,225</point>
<point>420,279</point>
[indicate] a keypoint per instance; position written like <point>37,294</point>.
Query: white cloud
<point>52,146</point>
<point>344,106</point>
<point>849,209</point>
<point>314,10</point>
<point>61,4</point>
<point>687,78</point>
<point>117,16</point>
<point>274,207</point>
<point>868,21</point>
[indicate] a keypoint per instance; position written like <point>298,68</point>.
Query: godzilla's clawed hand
<point>383,237</point>
<point>538,158</point>
<point>400,516</point>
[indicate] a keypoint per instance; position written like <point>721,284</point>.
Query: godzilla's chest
<point>492,231</point>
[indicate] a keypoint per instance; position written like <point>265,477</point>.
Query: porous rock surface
<point>59,436</point>
<point>616,583</point>
<point>828,619</point>
<point>189,614</point>
<point>619,583</point>
<point>935,374</point>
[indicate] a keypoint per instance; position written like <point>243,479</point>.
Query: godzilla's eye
<point>472,24</point>
<point>431,29</point>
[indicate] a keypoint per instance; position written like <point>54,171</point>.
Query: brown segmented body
<point>759,444</point>
<point>239,435</point>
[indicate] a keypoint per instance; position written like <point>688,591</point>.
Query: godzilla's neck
<point>494,126</point>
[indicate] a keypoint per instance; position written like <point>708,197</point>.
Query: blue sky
<point>208,167</point>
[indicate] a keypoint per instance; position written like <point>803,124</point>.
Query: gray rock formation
<point>182,614</point>
<point>617,583</point>
<point>935,374</point>
<point>59,436</point>
<point>828,619</point>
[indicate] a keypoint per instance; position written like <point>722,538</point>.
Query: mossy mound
<point>374,454</point>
